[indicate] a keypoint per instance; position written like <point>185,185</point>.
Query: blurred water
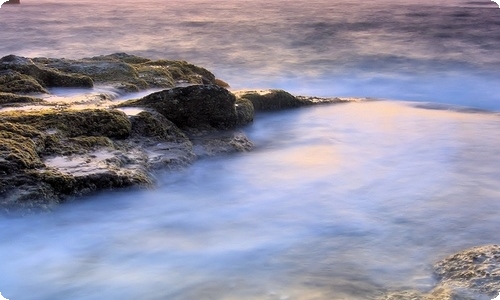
<point>336,202</point>
<point>441,52</point>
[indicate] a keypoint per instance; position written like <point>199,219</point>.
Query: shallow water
<point>336,202</point>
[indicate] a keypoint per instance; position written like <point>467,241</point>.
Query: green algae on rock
<point>15,82</point>
<point>129,72</point>
<point>10,99</point>
<point>126,72</point>
<point>45,77</point>
<point>73,123</point>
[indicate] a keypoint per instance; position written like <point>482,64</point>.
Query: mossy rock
<point>92,142</point>
<point>21,129</point>
<point>17,152</point>
<point>184,71</point>
<point>272,99</point>
<point>23,133</point>
<point>15,82</point>
<point>9,98</point>
<point>46,77</point>
<point>124,57</point>
<point>155,75</point>
<point>57,145</point>
<point>74,123</point>
<point>99,69</point>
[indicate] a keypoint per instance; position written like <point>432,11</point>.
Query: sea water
<point>335,202</point>
<point>444,51</point>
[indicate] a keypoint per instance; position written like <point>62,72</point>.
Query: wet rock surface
<point>472,274</point>
<point>53,150</point>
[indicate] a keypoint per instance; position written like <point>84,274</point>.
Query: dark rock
<point>272,99</point>
<point>196,106</point>
<point>244,111</point>
<point>154,125</point>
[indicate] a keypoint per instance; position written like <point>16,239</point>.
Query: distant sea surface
<point>437,51</point>
<point>335,202</point>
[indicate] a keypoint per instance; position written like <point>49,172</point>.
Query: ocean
<point>335,202</point>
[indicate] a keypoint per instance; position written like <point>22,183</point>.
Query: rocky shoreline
<point>53,148</point>
<point>56,148</point>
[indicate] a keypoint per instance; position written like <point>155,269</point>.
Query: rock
<point>105,71</point>
<point>472,274</point>
<point>17,152</point>
<point>221,83</point>
<point>30,139</point>
<point>197,106</point>
<point>131,73</point>
<point>74,123</point>
<point>12,99</point>
<point>167,146</point>
<point>155,126</point>
<point>208,144</point>
<point>45,77</point>
<point>271,99</point>
<point>15,82</point>
<point>59,149</point>
<point>244,111</point>
<point>476,269</point>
